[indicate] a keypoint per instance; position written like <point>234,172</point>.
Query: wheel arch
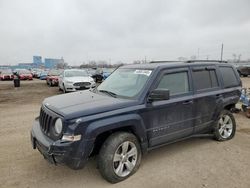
<point>229,106</point>
<point>100,130</point>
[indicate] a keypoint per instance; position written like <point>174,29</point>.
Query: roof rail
<point>166,61</point>
<point>200,61</point>
<point>190,61</point>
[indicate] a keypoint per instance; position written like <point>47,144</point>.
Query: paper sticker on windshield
<point>145,72</point>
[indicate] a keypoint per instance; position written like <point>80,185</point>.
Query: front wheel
<point>50,83</point>
<point>64,89</point>
<point>225,126</point>
<point>119,157</point>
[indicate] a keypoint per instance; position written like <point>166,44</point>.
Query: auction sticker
<point>145,72</point>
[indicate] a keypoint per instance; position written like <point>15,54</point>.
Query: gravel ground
<point>192,163</point>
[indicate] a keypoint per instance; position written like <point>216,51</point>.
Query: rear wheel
<point>225,126</point>
<point>119,157</point>
<point>247,112</point>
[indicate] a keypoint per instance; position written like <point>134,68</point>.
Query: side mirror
<point>158,95</point>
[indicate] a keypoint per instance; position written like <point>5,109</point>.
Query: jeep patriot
<point>137,109</point>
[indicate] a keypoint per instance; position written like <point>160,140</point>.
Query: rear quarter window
<point>229,77</point>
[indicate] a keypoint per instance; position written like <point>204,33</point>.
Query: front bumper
<point>71,87</point>
<point>71,154</point>
<point>54,82</point>
<point>7,77</point>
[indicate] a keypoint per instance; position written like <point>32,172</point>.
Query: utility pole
<point>221,52</point>
<point>198,53</point>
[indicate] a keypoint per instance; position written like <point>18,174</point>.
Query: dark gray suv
<point>138,108</point>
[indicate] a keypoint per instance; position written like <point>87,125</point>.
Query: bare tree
<point>193,57</point>
<point>182,59</point>
<point>62,65</point>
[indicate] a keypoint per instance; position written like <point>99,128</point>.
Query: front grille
<point>82,84</point>
<point>45,121</point>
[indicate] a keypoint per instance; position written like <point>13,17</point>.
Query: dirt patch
<point>29,92</point>
<point>247,130</point>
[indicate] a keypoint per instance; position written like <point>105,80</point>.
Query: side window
<point>205,79</point>
<point>228,76</point>
<point>176,83</point>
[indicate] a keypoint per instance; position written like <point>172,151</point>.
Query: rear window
<point>229,77</point>
<point>205,79</point>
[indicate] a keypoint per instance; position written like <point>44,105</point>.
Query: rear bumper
<point>71,154</point>
<point>26,78</point>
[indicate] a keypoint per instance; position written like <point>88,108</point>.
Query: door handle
<point>188,102</point>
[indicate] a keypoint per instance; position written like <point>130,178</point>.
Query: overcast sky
<point>122,30</point>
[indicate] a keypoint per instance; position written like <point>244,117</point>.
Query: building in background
<point>49,63</point>
<point>25,65</point>
<point>52,63</point>
<point>37,61</point>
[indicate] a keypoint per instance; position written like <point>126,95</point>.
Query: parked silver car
<point>74,80</point>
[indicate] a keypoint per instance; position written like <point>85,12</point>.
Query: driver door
<point>170,120</point>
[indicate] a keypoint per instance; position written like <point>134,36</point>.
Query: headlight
<point>58,126</point>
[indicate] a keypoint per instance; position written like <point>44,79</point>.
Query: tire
<point>247,113</point>
<point>50,83</point>
<point>225,126</point>
<point>116,146</point>
<point>244,108</point>
<point>64,89</point>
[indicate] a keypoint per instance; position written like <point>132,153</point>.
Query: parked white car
<point>74,80</point>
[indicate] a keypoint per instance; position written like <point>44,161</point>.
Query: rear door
<point>172,119</point>
<point>207,96</point>
<point>231,83</point>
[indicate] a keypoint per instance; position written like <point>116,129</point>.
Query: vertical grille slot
<point>45,121</point>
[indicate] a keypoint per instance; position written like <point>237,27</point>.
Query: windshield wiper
<point>109,93</point>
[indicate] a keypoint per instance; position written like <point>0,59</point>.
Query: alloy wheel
<point>225,126</point>
<point>125,159</point>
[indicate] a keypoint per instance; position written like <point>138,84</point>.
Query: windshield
<point>126,83</point>
<point>6,71</point>
<point>24,72</point>
<point>54,72</point>
<point>108,70</point>
<point>74,73</point>
<point>44,72</point>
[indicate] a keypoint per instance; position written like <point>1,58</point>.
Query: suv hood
<point>84,103</point>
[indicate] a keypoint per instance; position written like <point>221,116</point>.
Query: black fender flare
<point>133,121</point>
